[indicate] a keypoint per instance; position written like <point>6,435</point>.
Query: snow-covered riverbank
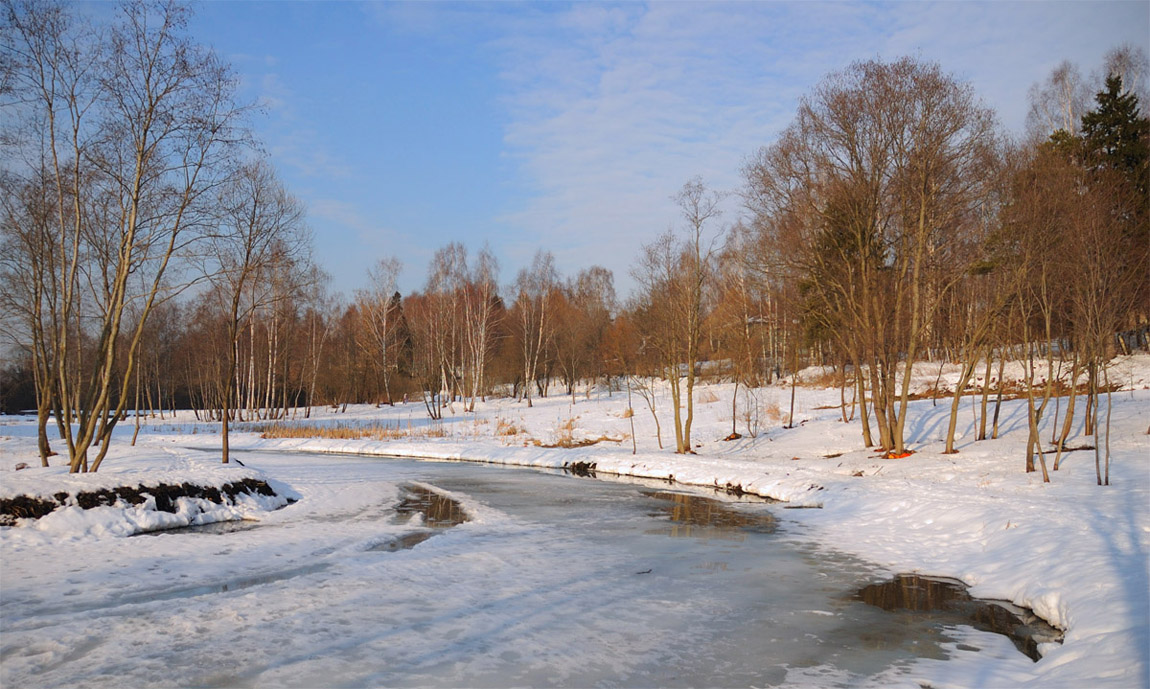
<point>1076,553</point>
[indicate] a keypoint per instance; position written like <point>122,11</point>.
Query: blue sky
<point>568,126</point>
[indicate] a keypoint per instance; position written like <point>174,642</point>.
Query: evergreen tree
<point>1115,144</point>
<point>1116,137</point>
<point>405,351</point>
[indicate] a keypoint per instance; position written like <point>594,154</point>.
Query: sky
<point>568,127</point>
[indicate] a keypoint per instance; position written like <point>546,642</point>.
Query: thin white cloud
<point>304,150</point>
<point>289,138</point>
<point>612,107</point>
<point>1003,48</point>
<point>609,108</point>
<point>356,242</point>
<point>612,111</point>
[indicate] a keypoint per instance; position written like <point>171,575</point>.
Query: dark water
<point>214,528</point>
<point>437,510</point>
<point>940,601</point>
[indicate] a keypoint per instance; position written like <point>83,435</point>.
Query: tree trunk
<point>136,432</point>
<point>998,398</point>
<point>631,417</point>
<point>676,405</point>
<point>1068,420</point>
<point>985,396</point>
<point>1109,407</point>
<point>864,414</point>
<point>735,406</point>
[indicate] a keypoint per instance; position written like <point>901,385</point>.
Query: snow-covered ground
<point>1076,553</point>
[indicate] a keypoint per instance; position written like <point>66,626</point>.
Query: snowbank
<point>1076,553</point>
<point>137,494</point>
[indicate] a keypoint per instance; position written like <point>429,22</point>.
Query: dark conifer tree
<point>403,337</point>
<point>1116,136</point>
<point>1115,144</point>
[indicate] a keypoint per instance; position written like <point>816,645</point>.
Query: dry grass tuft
<point>585,442</point>
<point>565,437</point>
<point>825,378</point>
<point>505,428</point>
<point>772,411</point>
<point>375,431</point>
<point>707,397</point>
<point>565,433</point>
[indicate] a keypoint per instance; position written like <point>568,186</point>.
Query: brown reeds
<point>372,431</point>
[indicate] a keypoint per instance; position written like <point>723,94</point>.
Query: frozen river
<point>548,580</point>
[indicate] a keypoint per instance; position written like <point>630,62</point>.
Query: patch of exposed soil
<point>166,496</point>
<point>584,469</point>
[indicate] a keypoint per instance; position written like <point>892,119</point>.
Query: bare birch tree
<point>535,287</point>
<point>480,320</point>
<point>1057,104</point>
<point>672,274</point>
<point>261,225</point>
<point>137,123</point>
<point>379,304</point>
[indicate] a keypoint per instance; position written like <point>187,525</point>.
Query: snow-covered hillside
<point>1076,553</point>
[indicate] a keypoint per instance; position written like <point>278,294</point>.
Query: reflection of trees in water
<point>924,594</point>
<point>911,592</point>
<point>438,510</point>
<point>699,517</point>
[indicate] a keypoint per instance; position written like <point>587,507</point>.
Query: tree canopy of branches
<point>672,275</point>
<point>260,240</point>
<point>125,132</point>
<point>872,197</point>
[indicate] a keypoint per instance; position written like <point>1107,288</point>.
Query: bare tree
<point>481,312</point>
<point>671,274</point>
<point>380,304</point>
<point>984,302</point>
<point>626,347</point>
<point>318,328</point>
<point>27,269</point>
<point>423,316</point>
<point>261,225</point>
<point>1057,104</point>
<point>535,287</point>
<point>445,291</point>
<point>138,121</point>
<point>871,196</point>
<point>699,207</point>
<point>583,314</point>
<point>49,124</point>
<point>738,320</point>
<point>1130,64</point>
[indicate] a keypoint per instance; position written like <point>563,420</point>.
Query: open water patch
<point>212,528</point>
<point>404,542</point>
<point>436,511</point>
<point>948,601</point>
<point>695,516</point>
